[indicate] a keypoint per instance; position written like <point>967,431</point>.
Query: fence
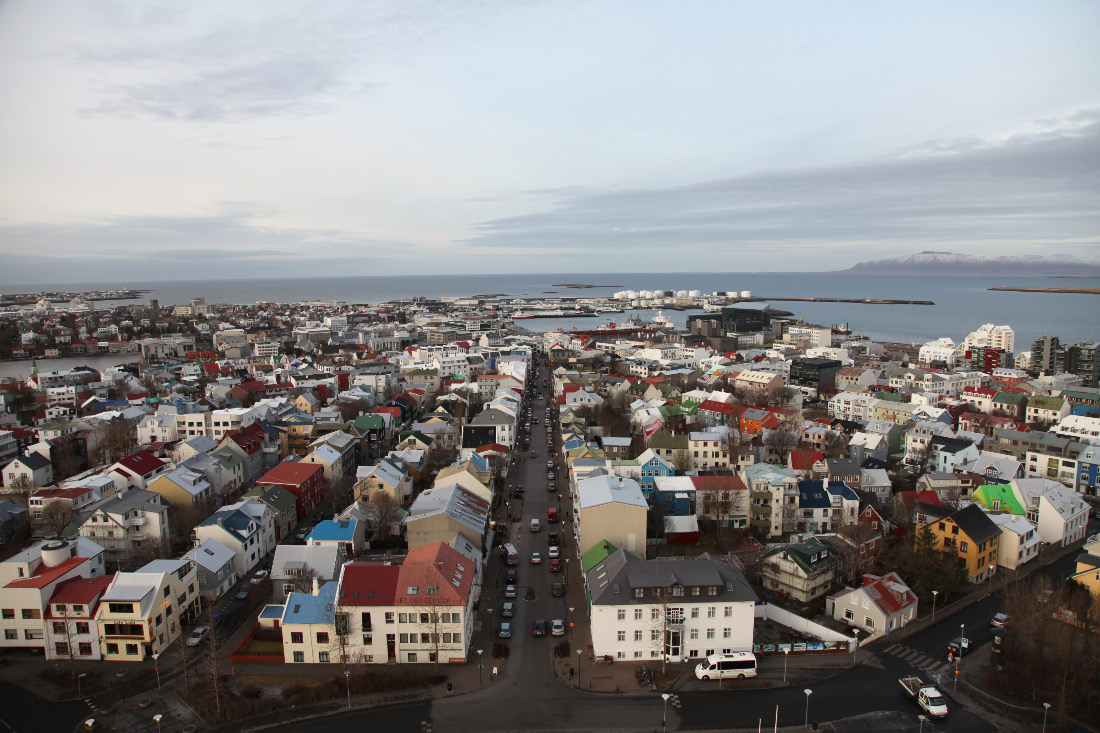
<point>782,616</point>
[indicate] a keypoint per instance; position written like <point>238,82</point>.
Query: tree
<point>118,442</point>
<point>781,442</point>
<point>781,397</point>
<point>387,510</point>
<point>682,461</point>
<point>835,445</point>
<point>212,659</point>
<point>58,515</point>
<point>21,489</point>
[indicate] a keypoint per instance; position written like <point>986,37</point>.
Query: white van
<point>535,526</point>
<point>725,666</point>
<point>511,555</point>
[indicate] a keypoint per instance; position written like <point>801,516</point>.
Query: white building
<point>685,609</point>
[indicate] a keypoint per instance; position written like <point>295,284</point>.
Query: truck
<point>926,695</point>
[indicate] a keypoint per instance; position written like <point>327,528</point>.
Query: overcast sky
<point>152,141</point>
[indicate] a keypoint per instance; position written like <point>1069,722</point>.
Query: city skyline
<point>156,141</point>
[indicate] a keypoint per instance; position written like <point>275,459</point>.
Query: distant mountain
<point>952,263</point>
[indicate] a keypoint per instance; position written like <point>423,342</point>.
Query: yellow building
<point>1088,570</point>
<point>971,535</point>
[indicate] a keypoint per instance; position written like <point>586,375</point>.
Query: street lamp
<point>921,718</point>
<point>347,678</point>
<point>934,594</point>
<point>579,653</point>
<point>664,713</point>
<point>570,622</point>
<point>156,666</point>
<point>962,641</point>
<point>808,692</point>
<point>786,653</point>
<point>991,566</point>
<point>78,677</point>
<point>480,668</point>
<point>1046,709</point>
<point>855,652</point>
<point>157,718</point>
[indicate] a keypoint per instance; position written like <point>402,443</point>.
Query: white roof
<point>601,490</point>
<point>211,555</point>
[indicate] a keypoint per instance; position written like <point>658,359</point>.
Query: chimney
<point>316,586</point>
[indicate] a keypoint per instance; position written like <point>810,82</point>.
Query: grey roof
<point>612,581</point>
<point>134,498</point>
<point>34,461</point>
<point>323,560</point>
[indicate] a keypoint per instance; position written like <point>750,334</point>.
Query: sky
<point>182,140</point>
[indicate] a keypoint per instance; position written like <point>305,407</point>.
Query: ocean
<point>962,302</point>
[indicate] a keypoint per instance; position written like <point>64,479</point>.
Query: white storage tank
<point>746,293</point>
<point>55,553</point>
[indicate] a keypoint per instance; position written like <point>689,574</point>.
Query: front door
<point>674,646</point>
<point>391,647</point>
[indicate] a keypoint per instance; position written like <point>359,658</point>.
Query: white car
<point>553,552</point>
<point>557,627</point>
<point>259,577</point>
<point>198,634</point>
<point>536,558</point>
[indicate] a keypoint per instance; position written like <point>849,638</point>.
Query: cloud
<point>1036,186</point>
<point>189,246</point>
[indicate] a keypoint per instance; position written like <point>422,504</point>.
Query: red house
<point>305,480</point>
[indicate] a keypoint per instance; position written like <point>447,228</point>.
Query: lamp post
<point>78,678</point>
<point>664,712</point>
<point>808,692</point>
<point>570,622</point>
<point>921,718</point>
<point>934,594</point>
<point>991,566</point>
<point>579,653</point>
<point>156,666</point>
<point>855,652</point>
<point>1046,709</point>
<point>347,678</point>
<point>157,718</point>
<point>480,668</point>
<point>786,653</point>
<point>962,642</point>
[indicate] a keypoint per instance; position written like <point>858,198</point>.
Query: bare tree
<point>682,461</point>
<point>781,442</point>
<point>58,515</point>
<point>212,659</point>
<point>118,442</point>
<point>21,489</point>
<point>387,510</point>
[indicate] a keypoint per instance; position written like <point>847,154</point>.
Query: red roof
<point>47,575</point>
<point>804,460</point>
<point>368,584</point>
<point>888,599</point>
<point>440,566</point>
<point>722,407</point>
<point>718,483</point>
<point>141,463</point>
<point>493,447</point>
<point>81,592</point>
<point>290,473</point>
<point>61,493</point>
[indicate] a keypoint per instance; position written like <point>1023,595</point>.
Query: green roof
<point>1010,398</point>
<point>275,496</point>
<point>889,396</point>
<point>1042,402</point>
<point>369,422</point>
<point>1003,493</point>
<point>599,553</point>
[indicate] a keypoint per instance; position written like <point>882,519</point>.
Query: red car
<point>534,455</point>
<point>555,565</point>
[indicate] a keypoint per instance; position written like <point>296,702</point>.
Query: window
<point>695,613</point>
<point>9,613</point>
<point>654,634</point>
<point>868,622</point>
<point>848,615</point>
<point>637,636</point>
<point>112,648</point>
<point>655,613</point>
<point>456,638</point>
<point>727,633</point>
<point>32,613</point>
<point>712,591</point>
<point>296,637</point>
<point>964,546</point>
<point>11,634</point>
<point>403,618</point>
<point>61,649</point>
<point>368,639</point>
<point>132,650</point>
<point>728,612</point>
<point>389,617</point>
<point>322,656</point>
<point>638,592</point>
<point>866,603</point>
<point>621,636</point>
<point>412,656</point>
<point>621,614</point>
<point>695,590</point>
<point>405,638</point>
<point>299,656</point>
<point>710,634</point>
<point>59,627</point>
<point>711,611</point>
<point>85,649</point>
<point>637,614</point>
<point>693,634</point>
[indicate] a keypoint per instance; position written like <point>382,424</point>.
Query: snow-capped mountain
<point>952,263</point>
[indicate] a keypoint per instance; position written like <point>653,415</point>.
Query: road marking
<point>891,649</point>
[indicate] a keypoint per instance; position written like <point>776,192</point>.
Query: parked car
<point>557,627</point>
<point>505,631</point>
<point>198,635</point>
<point>509,591</point>
<point>539,627</point>
<point>508,610</point>
<point>259,577</point>
<point>554,552</point>
<point>555,565</point>
<point>510,576</point>
<point>1000,620</point>
<point>242,593</point>
<point>549,464</point>
<point>552,538</point>
<point>534,454</point>
<point>557,589</point>
<point>536,558</point>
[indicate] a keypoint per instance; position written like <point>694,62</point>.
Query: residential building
<point>130,525</point>
<point>71,631</point>
<point>31,470</point>
<point>188,491</point>
<point>971,535</point>
<point>1019,542</point>
<point>441,513</point>
<point>239,531</point>
<point>803,571</point>
<point>216,568</point>
<point>143,612</point>
<point>884,603</point>
<point>683,608</point>
<point>610,508</point>
<point>295,566</point>
<point>305,481</point>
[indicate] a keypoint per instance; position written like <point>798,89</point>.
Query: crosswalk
<point>916,659</point>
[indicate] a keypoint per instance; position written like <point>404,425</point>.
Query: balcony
<point>760,523</point>
<point>135,521</point>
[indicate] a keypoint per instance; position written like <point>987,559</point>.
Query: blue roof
<point>338,530</point>
<point>843,490</point>
<point>480,461</point>
<point>812,495</point>
<point>272,612</point>
<point>570,444</point>
<point>303,608</point>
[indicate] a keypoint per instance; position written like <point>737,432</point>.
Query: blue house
<point>1088,472</point>
<point>650,467</point>
<point>814,505</point>
<point>676,494</point>
<point>344,534</point>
